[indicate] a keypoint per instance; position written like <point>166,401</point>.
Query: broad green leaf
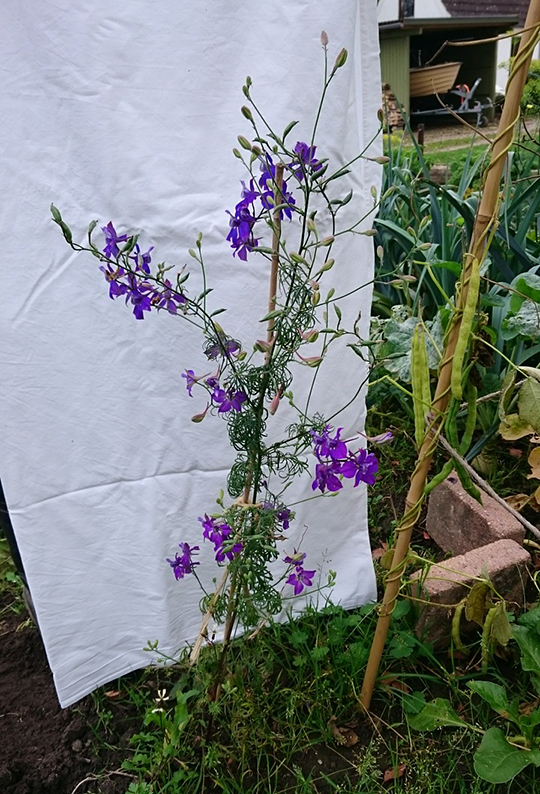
<point>436,714</point>
<point>498,761</point>
<point>528,284</point>
<point>491,299</point>
<point>529,643</point>
<point>496,696</point>
<point>531,619</point>
<point>530,721</point>
<point>526,322</point>
<point>402,645</point>
<point>529,403</point>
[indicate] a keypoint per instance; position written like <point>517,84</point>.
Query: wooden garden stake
<point>484,227</point>
<point>278,194</point>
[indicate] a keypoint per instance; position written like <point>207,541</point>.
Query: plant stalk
<point>484,225</point>
<point>278,199</point>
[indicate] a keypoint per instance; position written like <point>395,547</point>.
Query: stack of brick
<point>485,540</point>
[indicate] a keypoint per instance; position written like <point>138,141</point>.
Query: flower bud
<point>382,160</point>
<point>246,112</point>
<point>274,405</point>
<point>263,346</point>
<point>199,417</point>
<point>244,143</point>
<point>327,241</point>
<point>311,361</point>
<point>327,266</point>
<point>324,38</point>
<point>340,60</point>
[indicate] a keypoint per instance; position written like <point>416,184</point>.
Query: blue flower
<point>228,400</point>
<point>300,579</point>
<point>362,466</point>
<point>326,477</point>
<point>111,240</point>
<point>183,563</point>
<point>191,380</point>
<point>306,159</point>
<point>327,446</point>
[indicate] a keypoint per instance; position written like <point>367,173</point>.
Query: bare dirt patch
<point>45,749</point>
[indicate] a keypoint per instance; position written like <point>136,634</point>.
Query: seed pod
<point>420,383</point>
<point>467,319</point>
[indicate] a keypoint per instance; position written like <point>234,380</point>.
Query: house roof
<point>414,25</point>
<point>489,8</point>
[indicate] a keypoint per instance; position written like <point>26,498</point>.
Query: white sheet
<point>129,112</point>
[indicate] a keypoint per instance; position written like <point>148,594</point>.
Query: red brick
<point>504,562</point>
<point>458,523</point>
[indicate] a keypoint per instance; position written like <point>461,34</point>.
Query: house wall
<point>395,66</point>
<point>388,10</point>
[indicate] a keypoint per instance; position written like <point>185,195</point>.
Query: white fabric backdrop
<point>129,112</point>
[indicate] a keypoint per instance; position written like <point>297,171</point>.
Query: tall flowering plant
<point>244,386</point>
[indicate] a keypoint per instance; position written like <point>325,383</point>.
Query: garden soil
<point>45,749</point>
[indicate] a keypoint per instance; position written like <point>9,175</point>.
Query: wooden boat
<point>438,79</point>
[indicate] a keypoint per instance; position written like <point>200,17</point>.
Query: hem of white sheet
<point>69,695</point>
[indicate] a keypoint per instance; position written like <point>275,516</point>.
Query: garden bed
<point>46,749</point>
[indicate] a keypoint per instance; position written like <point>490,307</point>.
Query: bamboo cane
<point>484,226</point>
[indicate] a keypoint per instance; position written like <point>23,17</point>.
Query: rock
<point>504,562</point>
<point>458,524</point>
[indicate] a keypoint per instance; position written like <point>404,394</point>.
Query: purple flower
<point>217,533</point>
<point>241,234</point>
<point>140,294</point>
<point>326,477</point>
<point>111,240</point>
<point>267,196</point>
<point>191,380</point>
<point>382,439</point>
<point>228,400</point>
<point>183,563</point>
<point>362,466</point>
<point>297,558</point>
<point>225,552</point>
<point>212,382</point>
<point>327,446</point>
<point>249,194</point>
<point>169,298</point>
<point>111,274</point>
<point>214,531</point>
<point>224,346</point>
<point>268,171</point>
<point>142,261</point>
<point>306,157</point>
<point>300,579</point>
<point>283,515</point>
